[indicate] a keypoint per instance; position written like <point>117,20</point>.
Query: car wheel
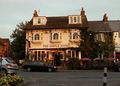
<point>49,69</point>
<point>3,72</point>
<point>28,69</point>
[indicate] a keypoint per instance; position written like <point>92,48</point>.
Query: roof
<point>114,25</point>
<point>59,22</point>
<point>3,41</point>
<point>100,26</point>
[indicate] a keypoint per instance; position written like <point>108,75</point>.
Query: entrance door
<point>57,57</point>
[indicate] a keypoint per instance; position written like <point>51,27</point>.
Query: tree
<point>90,47</point>
<point>18,41</point>
<point>87,44</point>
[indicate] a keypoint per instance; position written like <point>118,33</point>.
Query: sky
<point>12,12</point>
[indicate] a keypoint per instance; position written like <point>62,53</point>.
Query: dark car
<point>39,66</point>
<point>116,66</point>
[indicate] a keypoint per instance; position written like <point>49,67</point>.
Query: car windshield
<point>9,60</point>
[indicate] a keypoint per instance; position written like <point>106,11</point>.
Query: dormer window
<point>75,19</point>
<point>39,21</point>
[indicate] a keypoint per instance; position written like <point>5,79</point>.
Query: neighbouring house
<point>48,38</point>
<point>5,49</point>
<point>107,26</point>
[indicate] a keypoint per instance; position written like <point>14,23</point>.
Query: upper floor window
<point>75,19</point>
<point>39,21</point>
<point>100,37</point>
<point>75,35</point>
<point>55,36</point>
<point>36,37</point>
<point>119,34</point>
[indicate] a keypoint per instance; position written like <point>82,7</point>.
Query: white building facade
<point>47,37</point>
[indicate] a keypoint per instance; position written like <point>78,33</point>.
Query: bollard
<point>105,77</point>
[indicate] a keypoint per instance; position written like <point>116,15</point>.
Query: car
<point>39,66</point>
<point>7,66</point>
<point>116,66</point>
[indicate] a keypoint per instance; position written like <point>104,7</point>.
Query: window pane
<point>55,36</point>
<point>75,36</point>
<point>36,37</point>
<point>119,34</point>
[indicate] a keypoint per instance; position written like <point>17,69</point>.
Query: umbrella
<point>110,59</point>
<point>85,59</point>
<point>96,59</point>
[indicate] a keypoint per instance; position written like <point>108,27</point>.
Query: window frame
<point>36,36</point>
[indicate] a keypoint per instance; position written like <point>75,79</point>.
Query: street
<point>70,78</point>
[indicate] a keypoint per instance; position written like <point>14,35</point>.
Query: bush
<point>10,80</point>
<point>76,64</point>
<point>73,63</point>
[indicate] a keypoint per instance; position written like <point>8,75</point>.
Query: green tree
<point>87,44</point>
<point>18,41</point>
<point>90,47</point>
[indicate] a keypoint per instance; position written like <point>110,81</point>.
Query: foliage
<point>97,64</point>
<point>18,40</point>
<point>91,47</point>
<point>73,63</point>
<point>87,45</point>
<point>10,80</point>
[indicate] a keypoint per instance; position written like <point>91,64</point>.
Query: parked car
<point>7,66</point>
<point>39,66</point>
<point>116,66</point>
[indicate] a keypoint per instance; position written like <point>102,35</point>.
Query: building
<point>107,26</point>
<point>48,38</point>
<point>4,47</point>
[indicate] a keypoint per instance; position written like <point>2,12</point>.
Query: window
<point>100,37</point>
<point>71,19</point>
<point>75,35</point>
<point>55,36</point>
<point>119,34</point>
<point>39,21</point>
<point>36,37</point>
<point>70,35</point>
<point>75,19</point>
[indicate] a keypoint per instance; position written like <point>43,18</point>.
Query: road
<point>70,78</point>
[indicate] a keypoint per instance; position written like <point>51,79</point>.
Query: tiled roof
<point>100,26</point>
<point>3,41</point>
<point>114,25</point>
<point>58,22</point>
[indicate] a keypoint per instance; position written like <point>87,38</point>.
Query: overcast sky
<point>12,12</point>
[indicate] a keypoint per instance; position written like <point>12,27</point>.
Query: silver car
<point>8,66</point>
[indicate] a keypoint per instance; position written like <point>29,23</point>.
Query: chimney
<point>82,12</point>
<point>35,14</point>
<point>83,18</point>
<point>105,18</point>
